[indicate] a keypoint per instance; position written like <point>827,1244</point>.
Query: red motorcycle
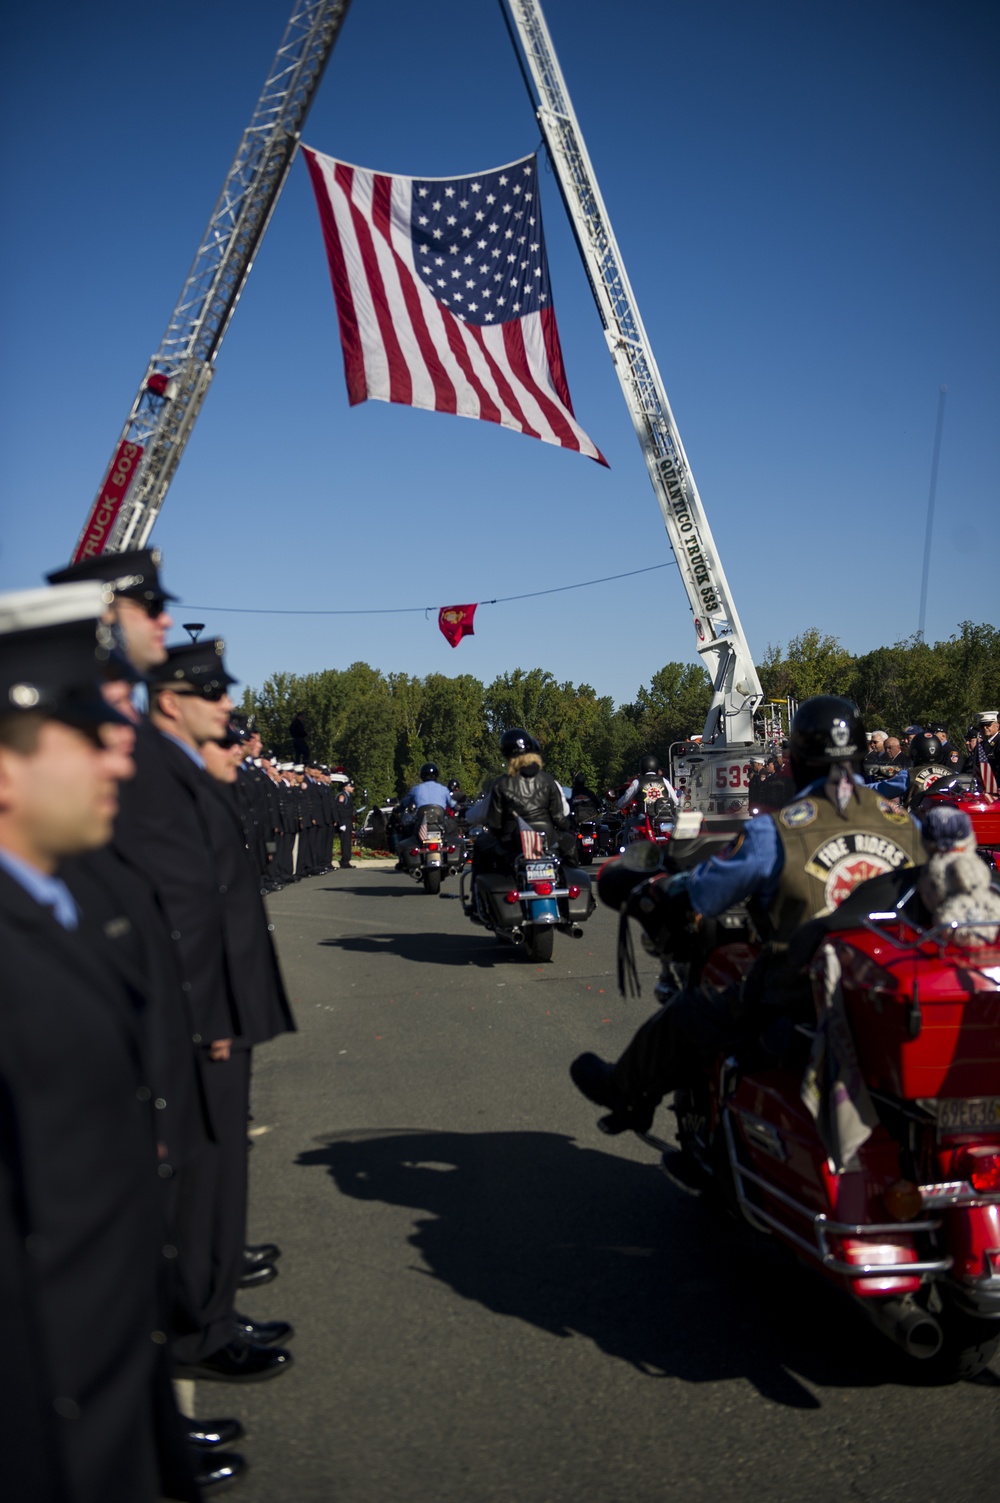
<point>649,816</point>
<point>963,792</point>
<point>909,1226</point>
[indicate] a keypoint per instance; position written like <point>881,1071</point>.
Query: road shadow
<point>578,1241</point>
<point>479,949</point>
<point>383,890</point>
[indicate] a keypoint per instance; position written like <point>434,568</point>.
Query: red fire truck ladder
<point>177,379</point>
<point>720,641</point>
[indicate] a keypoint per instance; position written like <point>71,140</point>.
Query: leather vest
<point>921,779</point>
<point>826,857</point>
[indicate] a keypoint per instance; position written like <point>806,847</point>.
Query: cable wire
<point>404,610</point>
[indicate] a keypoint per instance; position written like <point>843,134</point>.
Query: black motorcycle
<point>527,906</point>
<point>432,848</point>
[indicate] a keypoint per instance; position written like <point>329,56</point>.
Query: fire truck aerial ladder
<point>177,379</point>
<point>179,374</point>
<point>721,644</point>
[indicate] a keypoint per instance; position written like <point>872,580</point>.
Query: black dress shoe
<point>214,1474</point>
<point>205,1435</point>
<point>262,1332</point>
<point>255,1275</point>
<point>238,1362</point>
<point>262,1252</point>
<point>595,1078</point>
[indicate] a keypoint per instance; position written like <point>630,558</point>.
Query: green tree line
<point>383,726</point>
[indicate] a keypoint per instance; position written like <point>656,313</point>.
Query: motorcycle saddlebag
<point>579,909</point>
<point>494,886</point>
<point>938,1038</point>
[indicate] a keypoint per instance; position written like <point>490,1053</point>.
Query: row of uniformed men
<point>140,974</point>
<point>292,814</point>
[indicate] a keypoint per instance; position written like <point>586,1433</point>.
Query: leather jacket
<point>538,800</point>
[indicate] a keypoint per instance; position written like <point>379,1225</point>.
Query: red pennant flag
<point>456,622</point>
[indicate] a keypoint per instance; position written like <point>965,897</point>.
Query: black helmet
<point>927,748</point>
<point>824,730</point>
<point>580,780</point>
<point>429,772</point>
<point>454,786</point>
<point>515,742</point>
<point>648,764</point>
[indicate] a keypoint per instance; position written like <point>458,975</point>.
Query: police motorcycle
<point>864,1140</point>
<point>539,892</point>
<point>429,846</point>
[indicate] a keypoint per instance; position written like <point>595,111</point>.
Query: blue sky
<point>805,199</point>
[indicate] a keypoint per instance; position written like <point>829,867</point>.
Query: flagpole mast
<point>721,642</point>
<point>178,376</point>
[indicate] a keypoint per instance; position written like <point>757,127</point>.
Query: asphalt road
<point>494,1303</point>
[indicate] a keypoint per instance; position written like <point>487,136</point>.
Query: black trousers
<point>675,1045</point>
<point>346,837</point>
<point>211,1213</point>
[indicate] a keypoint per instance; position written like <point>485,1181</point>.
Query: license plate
<point>956,1115</point>
<point>664,825</point>
<point>540,871</point>
<point>588,839</point>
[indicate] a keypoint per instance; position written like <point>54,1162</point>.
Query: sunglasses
<point>154,606</point>
<point>214,692</point>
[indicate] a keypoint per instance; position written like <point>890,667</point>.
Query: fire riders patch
<point>849,859</point>
<point>802,812</point>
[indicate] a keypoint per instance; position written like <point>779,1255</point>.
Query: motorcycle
<point>962,791</point>
<point>587,839</point>
<point>434,851</point>
<point>527,906</point>
<point>908,1227</point>
<point>652,820</point>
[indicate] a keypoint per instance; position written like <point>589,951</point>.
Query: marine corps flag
<point>443,295</point>
<point>456,622</point>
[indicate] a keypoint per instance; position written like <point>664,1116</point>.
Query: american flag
<point>443,295</point>
<point>987,777</point>
<point>532,841</point>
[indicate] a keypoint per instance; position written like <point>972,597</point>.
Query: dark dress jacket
<point>120,917</point>
<point>176,827</point>
<point>86,1407</point>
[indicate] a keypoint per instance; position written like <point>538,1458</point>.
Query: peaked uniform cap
<point>54,652</point>
<point>135,573</point>
<point>199,664</point>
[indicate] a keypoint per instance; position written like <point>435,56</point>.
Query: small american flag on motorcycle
<point>532,841</point>
<point>422,834</point>
<point>987,777</point>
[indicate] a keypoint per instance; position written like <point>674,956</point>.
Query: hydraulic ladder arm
<point>177,379</point>
<point>723,647</point>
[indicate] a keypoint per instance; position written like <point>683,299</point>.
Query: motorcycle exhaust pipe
<point>909,1326</point>
<point>575,931</point>
<point>517,936</point>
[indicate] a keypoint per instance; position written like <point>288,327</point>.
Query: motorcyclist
<point>650,783</point>
<point>525,796</point>
<point>430,790</point>
<point>460,799</point>
<point>583,802</point>
<point>929,761</point>
<point>792,866</point>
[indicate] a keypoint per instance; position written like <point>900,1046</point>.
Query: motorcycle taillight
<point>543,889</point>
<point>432,845</point>
<point>573,892</point>
<point>980,1166</point>
<point>511,897</point>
